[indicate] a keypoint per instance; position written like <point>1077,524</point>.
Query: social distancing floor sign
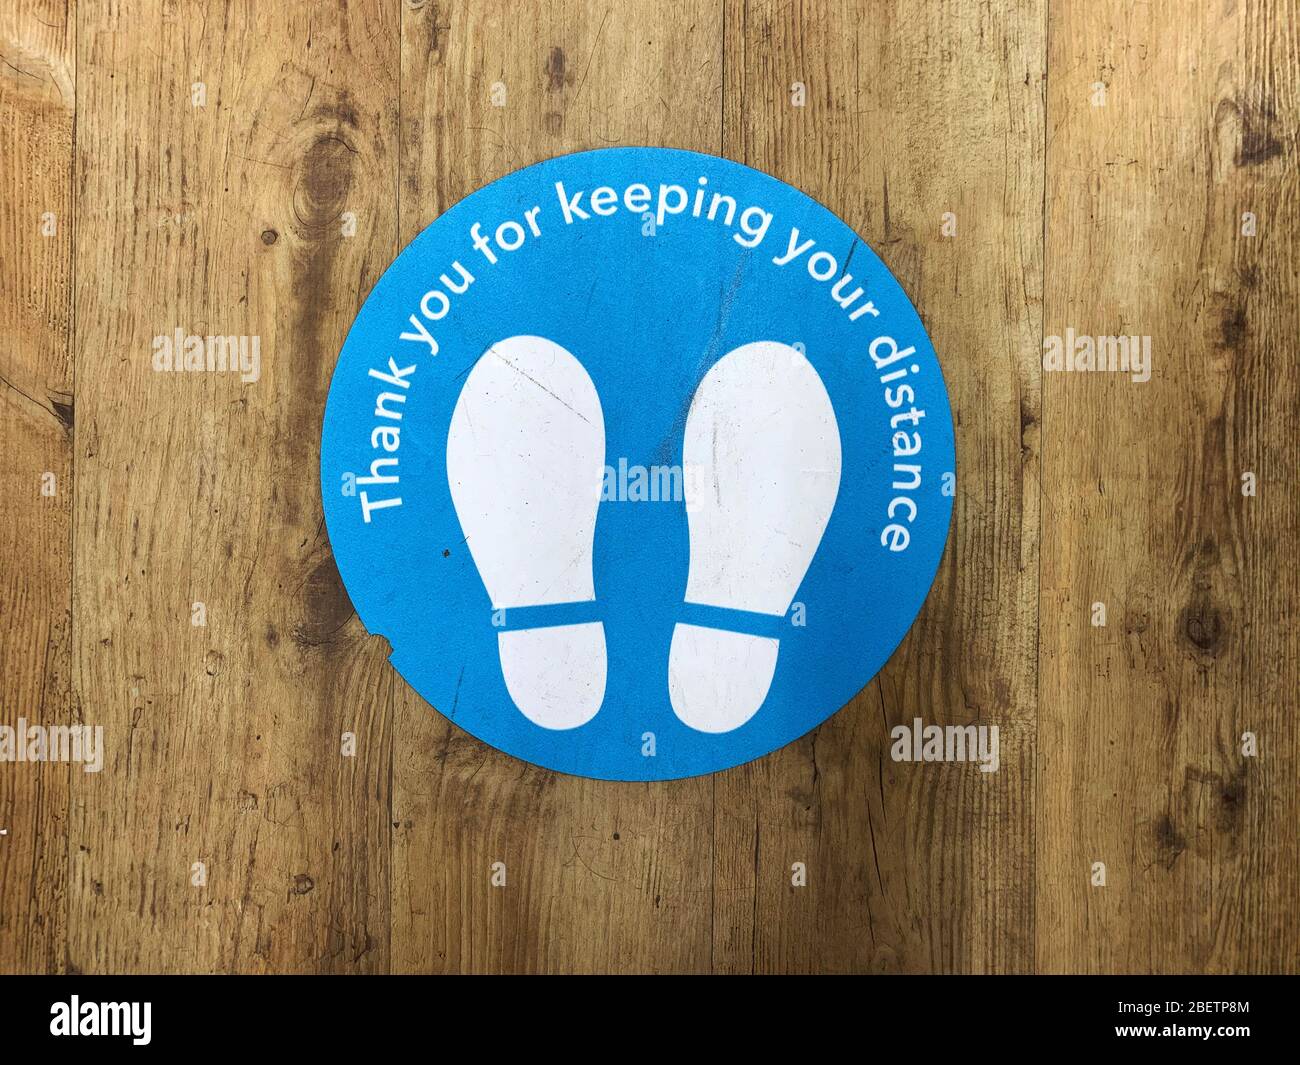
<point>641,460</point>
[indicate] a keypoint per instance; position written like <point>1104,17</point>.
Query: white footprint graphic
<point>525,453</point>
<point>761,460</point>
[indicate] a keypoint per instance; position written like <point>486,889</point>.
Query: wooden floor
<point>1112,168</point>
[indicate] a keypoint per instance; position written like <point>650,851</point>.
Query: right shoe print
<point>761,471</point>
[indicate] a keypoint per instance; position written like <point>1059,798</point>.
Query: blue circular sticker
<point>642,462</point>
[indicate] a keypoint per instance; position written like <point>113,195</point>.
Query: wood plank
<point>601,876</point>
<point>225,216</point>
<point>911,110</point>
<point>37,105</point>
<point>1141,756</point>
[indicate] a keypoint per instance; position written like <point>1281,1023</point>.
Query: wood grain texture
<point>37,103</point>
<point>1141,721</point>
<point>251,169</point>
<point>223,217</point>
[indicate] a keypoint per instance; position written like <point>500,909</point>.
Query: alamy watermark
<point>77,1018</point>
<point>919,742</point>
<point>634,483</point>
<point>182,351</point>
<point>53,743</point>
<point>1114,354</point>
